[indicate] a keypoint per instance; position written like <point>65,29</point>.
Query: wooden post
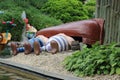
<point>109,10</point>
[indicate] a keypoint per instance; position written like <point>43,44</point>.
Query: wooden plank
<point>112,21</point>
<point>109,23</point>
<point>116,21</point>
<point>109,20</point>
<point>118,40</point>
<point>106,21</point>
<point>97,8</point>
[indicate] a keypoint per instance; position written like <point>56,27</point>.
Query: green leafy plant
<point>100,59</point>
<point>90,6</point>
<point>65,10</point>
<point>38,3</point>
<point>5,52</point>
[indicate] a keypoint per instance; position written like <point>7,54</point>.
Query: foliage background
<point>14,9</point>
<point>43,13</point>
<point>65,10</point>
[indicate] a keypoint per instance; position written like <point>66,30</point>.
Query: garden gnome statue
<point>31,31</point>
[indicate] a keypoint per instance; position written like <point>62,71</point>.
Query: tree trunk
<point>109,10</point>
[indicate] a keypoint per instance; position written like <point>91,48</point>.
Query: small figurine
<point>6,36</point>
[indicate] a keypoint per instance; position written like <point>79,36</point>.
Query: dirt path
<point>52,63</point>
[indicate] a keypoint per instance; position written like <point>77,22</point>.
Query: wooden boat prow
<point>90,31</point>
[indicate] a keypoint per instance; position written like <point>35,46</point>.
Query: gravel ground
<point>52,63</point>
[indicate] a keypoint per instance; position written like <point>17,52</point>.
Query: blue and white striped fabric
<point>62,42</point>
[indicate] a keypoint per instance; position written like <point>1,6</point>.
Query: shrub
<point>65,10</point>
<point>5,52</point>
<point>38,3</point>
<point>100,59</point>
<point>26,3</point>
<point>40,20</point>
<point>14,9</point>
<point>22,3</point>
<point>90,6</point>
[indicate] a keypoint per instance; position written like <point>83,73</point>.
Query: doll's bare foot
<point>14,48</point>
<point>37,49</point>
<point>28,48</point>
<point>54,46</point>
